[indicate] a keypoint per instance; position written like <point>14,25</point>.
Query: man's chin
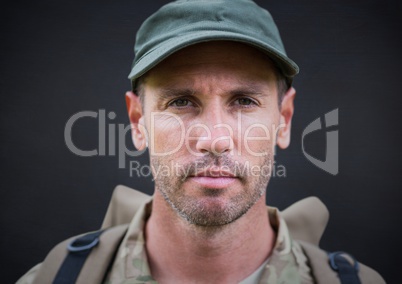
<point>211,210</point>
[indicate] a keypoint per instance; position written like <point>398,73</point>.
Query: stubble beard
<point>199,212</point>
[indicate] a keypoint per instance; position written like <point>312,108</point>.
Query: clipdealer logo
<point>107,139</point>
<point>112,135</point>
<point>331,162</point>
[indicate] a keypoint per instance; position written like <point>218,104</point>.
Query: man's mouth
<point>216,178</point>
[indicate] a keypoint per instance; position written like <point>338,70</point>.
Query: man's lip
<point>220,182</point>
<point>215,174</point>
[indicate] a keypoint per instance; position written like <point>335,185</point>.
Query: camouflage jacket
<point>287,263</point>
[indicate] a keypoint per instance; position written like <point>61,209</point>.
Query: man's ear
<point>134,109</point>
<point>287,109</point>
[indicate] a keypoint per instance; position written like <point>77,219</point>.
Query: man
<point>211,98</point>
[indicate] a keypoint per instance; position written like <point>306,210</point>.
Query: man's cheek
<point>167,134</point>
<point>257,140</point>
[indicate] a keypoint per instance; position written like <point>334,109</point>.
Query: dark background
<point>62,57</point>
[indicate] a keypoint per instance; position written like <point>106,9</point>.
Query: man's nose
<point>220,133</point>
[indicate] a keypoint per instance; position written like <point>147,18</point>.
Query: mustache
<point>213,161</point>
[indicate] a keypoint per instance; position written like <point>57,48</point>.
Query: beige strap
<point>306,219</point>
<point>96,264</point>
<point>123,205</point>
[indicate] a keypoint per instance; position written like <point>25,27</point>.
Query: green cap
<point>186,22</point>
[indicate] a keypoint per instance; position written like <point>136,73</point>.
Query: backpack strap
<point>88,269</point>
<point>335,268</point>
<point>78,251</point>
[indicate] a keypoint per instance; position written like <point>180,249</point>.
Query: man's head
<point>209,113</point>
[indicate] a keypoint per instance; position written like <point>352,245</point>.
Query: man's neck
<point>180,252</point>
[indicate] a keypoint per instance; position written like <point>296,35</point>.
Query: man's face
<point>211,114</point>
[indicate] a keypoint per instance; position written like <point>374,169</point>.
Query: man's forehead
<point>221,60</point>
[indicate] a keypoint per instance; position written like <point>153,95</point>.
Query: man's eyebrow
<point>248,90</point>
<point>169,93</point>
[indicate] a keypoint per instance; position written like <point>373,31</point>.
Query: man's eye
<point>245,101</point>
<point>180,103</point>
